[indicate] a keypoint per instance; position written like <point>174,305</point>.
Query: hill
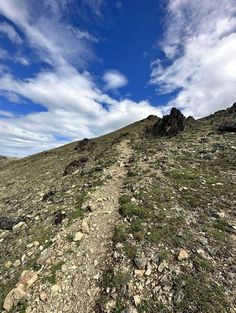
<point>140,220</point>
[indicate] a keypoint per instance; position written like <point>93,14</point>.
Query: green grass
<point>53,271</point>
<point>78,212</point>
<point>200,294</point>
<point>131,209</point>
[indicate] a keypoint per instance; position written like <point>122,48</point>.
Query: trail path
<point>77,283</point>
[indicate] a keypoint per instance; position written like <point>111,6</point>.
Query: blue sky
<point>71,69</point>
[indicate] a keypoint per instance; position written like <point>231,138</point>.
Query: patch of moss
<point>78,212</point>
<point>200,295</point>
<point>131,209</point>
<point>120,233</point>
<point>129,250</point>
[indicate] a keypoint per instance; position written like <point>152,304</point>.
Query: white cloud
<point>6,114</point>
<point>42,29</point>
<point>10,32</point>
<point>114,80</point>
<point>75,106</point>
<point>75,110</point>
<point>200,42</point>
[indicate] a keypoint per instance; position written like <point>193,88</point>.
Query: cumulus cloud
<point>75,109</point>
<point>200,46</point>
<point>74,106</point>
<point>10,32</point>
<point>114,80</point>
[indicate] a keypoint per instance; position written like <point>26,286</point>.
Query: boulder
<point>71,167</point>
<point>84,145</point>
<point>58,217</point>
<point>7,223</point>
<point>14,297</point>
<point>170,125</point>
<point>228,127</point>
<point>48,196</point>
<point>45,255</point>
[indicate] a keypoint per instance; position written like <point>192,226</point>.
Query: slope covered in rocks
<point>139,220</point>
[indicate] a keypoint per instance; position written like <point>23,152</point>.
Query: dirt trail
<point>77,284</point>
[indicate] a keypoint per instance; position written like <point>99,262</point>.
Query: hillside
<point>140,220</point>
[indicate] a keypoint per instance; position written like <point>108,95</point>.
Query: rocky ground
<point>140,220</point>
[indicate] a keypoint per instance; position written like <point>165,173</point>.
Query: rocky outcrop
<point>71,167</point>
<point>170,125</point>
<point>228,127</point>
<point>84,145</point>
<point>7,223</point>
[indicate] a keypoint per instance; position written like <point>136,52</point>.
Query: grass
<point>200,294</point>
<point>120,233</point>
<point>78,212</point>
<point>131,209</point>
<point>129,250</point>
<point>42,233</point>
<point>118,280</point>
<point>53,271</point>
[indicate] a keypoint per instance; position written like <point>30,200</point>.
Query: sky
<point>71,69</point>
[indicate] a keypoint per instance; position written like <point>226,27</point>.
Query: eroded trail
<point>77,282</point>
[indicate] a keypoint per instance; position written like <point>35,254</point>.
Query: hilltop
<point>139,220</point>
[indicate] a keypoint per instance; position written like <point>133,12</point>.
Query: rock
<point>183,255</point>
<point>43,296</point>
<point>229,126</point>
<point>56,288</point>
<point>28,278</point>
<point>85,227</point>
<point>71,167</point>
<point>85,144</point>
<point>96,276</point>
<point>48,196</point>
<point>110,305</point>
<point>78,236</point>
<point>130,309</point>
<point>19,226</point>
<point>45,255</point>
<point>8,264</point>
<point>170,125</point>
<point>7,223</point>
<point>13,297</point>
<point>162,266</point>
<point>139,272</point>
<point>17,263</point>
<point>148,272</point>
<point>4,234</point>
<point>137,300</point>
<point>58,217</point>
<point>140,262</point>
<point>23,259</point>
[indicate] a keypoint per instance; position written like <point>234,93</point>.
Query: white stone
<point>137,300</point>
<point>19,226</point>
<point>78,236</point>
<point>183,255</point>
<point>43,296</point>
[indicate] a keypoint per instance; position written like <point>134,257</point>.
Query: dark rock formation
<point>48,196</point>
<point>83,159</point>
<point>170,125</point>
<point>84,145</point>
<point>58,217</point>
<point>71,167</point>
<point>228,127</point>
<point>7,223</point>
